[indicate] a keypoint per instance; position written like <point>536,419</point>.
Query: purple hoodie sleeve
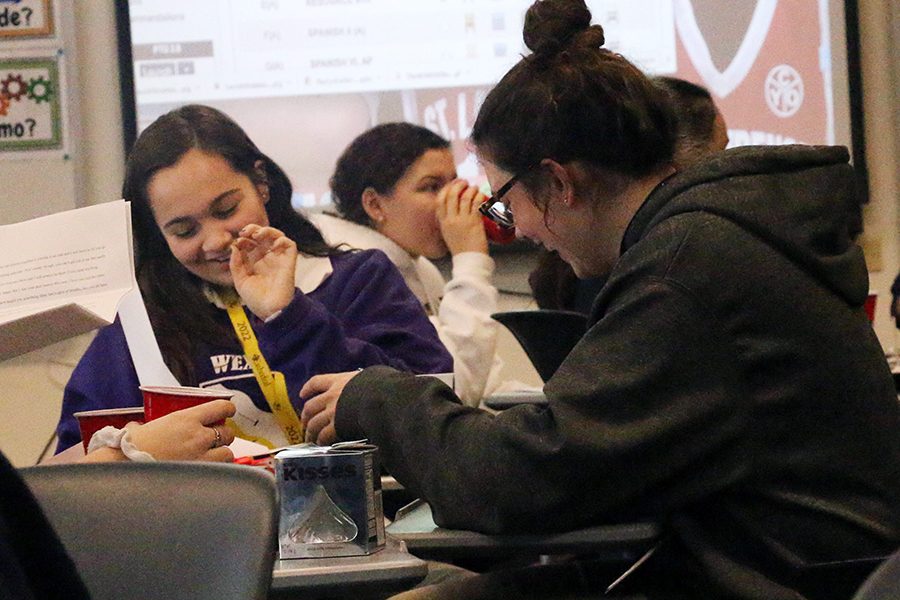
<point>104,378</point>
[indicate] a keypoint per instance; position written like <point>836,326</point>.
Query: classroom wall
<point>880,50</point>
<point>52,182</point>
<point>31,385</point>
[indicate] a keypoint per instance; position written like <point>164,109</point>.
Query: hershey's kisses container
<point>330,500</point>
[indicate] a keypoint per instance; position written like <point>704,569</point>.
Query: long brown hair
<point>181,316</point>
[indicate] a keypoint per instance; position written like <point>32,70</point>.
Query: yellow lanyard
<point>270,382</point>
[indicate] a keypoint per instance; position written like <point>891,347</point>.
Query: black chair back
<point>163,530</point>
<point>546,336</point>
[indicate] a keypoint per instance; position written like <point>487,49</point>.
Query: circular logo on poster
<point>784,90</point>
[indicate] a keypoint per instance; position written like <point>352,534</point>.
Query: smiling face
<point>200,204</point>
<point>585,214</point>
<point>408,214</point>
<point>553,228</point>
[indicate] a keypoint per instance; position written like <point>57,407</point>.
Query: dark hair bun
<point>551,25</point>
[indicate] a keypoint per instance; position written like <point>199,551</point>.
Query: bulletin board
<point>26,18</point>
<point>32,85</point>
<point>40,167</point>
<point>30,104</point>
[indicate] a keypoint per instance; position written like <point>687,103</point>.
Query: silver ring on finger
<point>218,441</point>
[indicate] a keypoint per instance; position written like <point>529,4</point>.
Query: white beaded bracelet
<point>111,437</point>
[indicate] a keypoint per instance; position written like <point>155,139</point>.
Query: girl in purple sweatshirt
<point>213,228</point>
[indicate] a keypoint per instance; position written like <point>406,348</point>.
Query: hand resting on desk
<point>321,394</point>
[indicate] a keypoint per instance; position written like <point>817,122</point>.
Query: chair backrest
<point>883,583</point>
<point>546,336</point>
<point>163,530</point>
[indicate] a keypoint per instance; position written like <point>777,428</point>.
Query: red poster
<point>775,88</point>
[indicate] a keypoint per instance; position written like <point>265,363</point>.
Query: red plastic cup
<point>869,305</point>
<point>92,421</point>
<point>162,400</point>
<point>497,233</point>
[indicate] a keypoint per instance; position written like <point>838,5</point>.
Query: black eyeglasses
<point>494,208</point>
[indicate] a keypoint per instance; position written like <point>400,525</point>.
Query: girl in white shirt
<point>396,189</point>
